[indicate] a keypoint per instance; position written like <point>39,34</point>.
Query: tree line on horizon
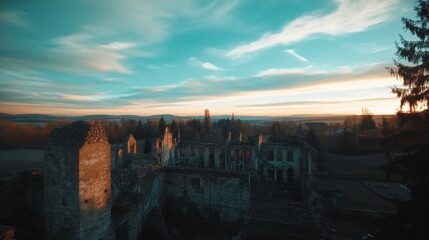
<point>18,135</point>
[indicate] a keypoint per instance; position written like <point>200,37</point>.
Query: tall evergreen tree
<point>161,125</point>
<point>412,218</point>
<point>415,74</point>
<point>174,127</point>
<point>139,131</point>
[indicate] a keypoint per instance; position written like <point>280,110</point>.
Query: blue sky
<point>273,57</point>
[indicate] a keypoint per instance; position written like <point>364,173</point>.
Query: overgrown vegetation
<point>360,135</point>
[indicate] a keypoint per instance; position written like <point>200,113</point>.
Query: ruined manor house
<point>91,189</point>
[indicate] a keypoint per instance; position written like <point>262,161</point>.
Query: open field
<point>368,167</point>
<point>17,160</point>
<point>365,194</point>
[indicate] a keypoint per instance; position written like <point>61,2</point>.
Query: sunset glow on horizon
<point>252,58</point>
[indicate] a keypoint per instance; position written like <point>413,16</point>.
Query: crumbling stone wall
<point>282,162</point>
<point>206,197</point>
<point>192,154</point>
<point>220,196</point>
<point>241,157</point>
<point>308,183</point>
<point>166,148</point>
<point>136,191</point>
<point>77,182</point>
<point>232,157</point>
<point>131,145</point>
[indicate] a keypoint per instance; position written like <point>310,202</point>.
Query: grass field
<point>17,160</point>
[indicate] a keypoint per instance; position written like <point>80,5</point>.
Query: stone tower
<point>77,183</point>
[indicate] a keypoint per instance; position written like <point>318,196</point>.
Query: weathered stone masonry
<point>227,195</point>
<point>77,183</point>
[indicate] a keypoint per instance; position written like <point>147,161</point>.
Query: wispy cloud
<point>309,70</point>
<point>155,20</point>
<point>308,79</point>
<point>80,98</point>
<point>75,53</point>
<point>293,53</point>
<point>305,71</point>
<point>119,45</point>
<point>349,17</point>
<point>102,57</point>
<point>193,61</point>
<point>223,9</point>
<point>336,93</point>
<point>124,56</point>
<point>211,66</point>
<point>344,70</point>
<point>371,47</point>
<point>32,87</point>
<point>113,80</point>
<point>346,97</point>
<point>150,21</point>
<point>377,50</point>
<point>320,103</point>
<point>211,14</point>
<point>16,18</point>
<point>105,40</point>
